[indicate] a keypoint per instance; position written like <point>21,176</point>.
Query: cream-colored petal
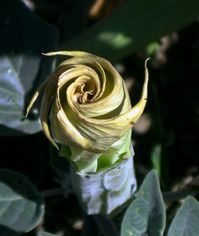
<point>68,53</point>
<point>104,132</point>
<point>45,107</point>
<point>94,124</point>
<point>34,97</point>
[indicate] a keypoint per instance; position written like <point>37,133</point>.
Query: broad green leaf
<point>186,220</point>
<point>21,205</point>
<point>12,95</point>
<point>22,67</point>
<point>146,214</point>
<point>133,25</point>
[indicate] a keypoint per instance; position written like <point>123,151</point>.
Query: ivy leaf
<point>146,214</point>
<point>185,221</point>
<point>22,67</point>
<point>21,205</point>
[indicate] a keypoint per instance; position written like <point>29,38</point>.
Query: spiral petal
<point>86,106</point>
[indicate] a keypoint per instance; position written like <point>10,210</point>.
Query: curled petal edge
<point>129,118</point>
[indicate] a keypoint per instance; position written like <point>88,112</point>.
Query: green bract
<point>86,107</point>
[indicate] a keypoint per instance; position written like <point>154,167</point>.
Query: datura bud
<point>86,107</point>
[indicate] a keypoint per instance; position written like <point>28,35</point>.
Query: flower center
<point>84,92</point>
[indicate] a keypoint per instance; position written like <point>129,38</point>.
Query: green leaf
<point>12,97</point>
<point>21,205</point>
<point>146,214</point>
<point>186,220</point>
<point>133,25</point>
<point>22,67</point>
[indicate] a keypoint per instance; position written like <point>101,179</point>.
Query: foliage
<point>184,222</point>
<point>114,38</point>
<point>128,35</point>
<point>21,205</point>
<point>146,214</point>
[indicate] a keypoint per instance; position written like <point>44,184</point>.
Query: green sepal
<point>86,162</point>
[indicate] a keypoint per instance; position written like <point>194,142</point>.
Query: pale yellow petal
<point>34,97</point>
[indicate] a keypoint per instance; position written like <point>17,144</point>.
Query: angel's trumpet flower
<point>86,107</point>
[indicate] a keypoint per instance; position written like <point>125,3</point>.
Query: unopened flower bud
<point>86,107</point>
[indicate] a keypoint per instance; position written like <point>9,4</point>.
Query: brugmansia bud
<point>87,112</point>
<point>86,108</point>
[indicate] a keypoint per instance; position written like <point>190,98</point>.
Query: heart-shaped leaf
<point>22,66</point>
<point>186,220</point>
<point>21,205</point>
<point>146,214</point>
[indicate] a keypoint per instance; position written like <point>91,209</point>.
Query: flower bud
<point>86,107</point>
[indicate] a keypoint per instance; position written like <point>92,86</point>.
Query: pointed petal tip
<point>28,109</point>
<point>146,68</point>
<point>146,61</point>
<point>55,145</point>
<point>67,53</point>
<point>51,139</point>
<point>138,109</point>
<point>47,53</point>
<point>26,115</point>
